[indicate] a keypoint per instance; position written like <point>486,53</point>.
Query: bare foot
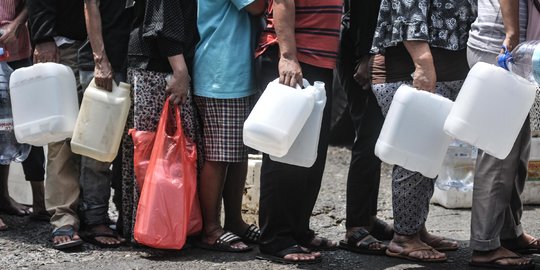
<point>525,243</point>
<point>321,243</point>
<point>11,207</point>
<point>103,235</point>
<point>310,256</point>
<point>438,242</point>
<point>411,247</point>
<point>500,256</point>
<point>3,226</point>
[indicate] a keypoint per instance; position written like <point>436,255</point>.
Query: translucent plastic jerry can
<point>412,135</point>
<point>303,151</point>
<point>277,118</point>
<point>490,109</point>
<point>102,118</point>
<point>44,103</point>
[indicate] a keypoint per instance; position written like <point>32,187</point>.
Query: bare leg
<point>38,201</point>
<point>7,204</point>
<point>210,194</point>
<point>3,225</point>
<point>233,193</point>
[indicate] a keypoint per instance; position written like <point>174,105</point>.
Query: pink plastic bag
<point>168,207</point>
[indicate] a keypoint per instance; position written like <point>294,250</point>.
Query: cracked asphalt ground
<point>27,246</point>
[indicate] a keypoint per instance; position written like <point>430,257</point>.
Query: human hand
<point>103,73</point>
<point>46,52</point>
<point>290,72</point>
<point>425,78</point>
<point>10,32</point>
<point>178,86</point>
<point>362,74</point>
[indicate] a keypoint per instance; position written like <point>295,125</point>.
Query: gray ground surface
<point>26,245</point>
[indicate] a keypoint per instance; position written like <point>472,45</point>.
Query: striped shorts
<point>223,123</point>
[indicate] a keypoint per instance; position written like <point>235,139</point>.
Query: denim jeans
<point>95,178</point>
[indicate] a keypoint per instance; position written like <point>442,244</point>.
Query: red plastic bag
<point>143,142</point>
<point>168,207</point>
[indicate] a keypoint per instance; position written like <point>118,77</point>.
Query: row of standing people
<point>300,40</point>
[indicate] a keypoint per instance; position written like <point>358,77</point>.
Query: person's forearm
<point>510,14</point>
<point>284,23</point>
<point>22,17</point>
<point>93,27</point>
<point>419,52</point>
<point>178,63</point>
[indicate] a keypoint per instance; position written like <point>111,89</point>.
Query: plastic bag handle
<point>165,120</point>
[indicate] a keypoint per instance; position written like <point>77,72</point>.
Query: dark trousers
<point>365,168</point>
<point>288,193</point>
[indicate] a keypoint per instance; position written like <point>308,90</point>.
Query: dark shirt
<point>362,23</point>
<point>116,22</point>
<point>50,18</point>
<point>161,29</point>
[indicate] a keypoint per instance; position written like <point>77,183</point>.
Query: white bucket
<point>490,109</point>
<point>101,122</point>
<point>44,103</point>
<point>412,135</point>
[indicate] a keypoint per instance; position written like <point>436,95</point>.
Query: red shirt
<point>317,31</point>
<point>19,49</point>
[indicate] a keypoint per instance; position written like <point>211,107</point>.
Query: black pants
<point>365,168</point>
<point>288,193</point>
<point>34,164</point>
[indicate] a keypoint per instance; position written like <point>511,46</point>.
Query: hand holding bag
<point>168,196</point>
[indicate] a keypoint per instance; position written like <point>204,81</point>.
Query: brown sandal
<point>405,254</point>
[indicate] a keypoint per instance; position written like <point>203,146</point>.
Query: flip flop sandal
<point>224,243</point>
<point>493,264</point>
<point>382,230</point>
<point>279,257</point>
<point>252,235</point>
<point>90,237</point>
<point>66,231</point>
<point>360,242</point>
<point>438,244</point>
<point>405,255</point>
<point>323,246</point>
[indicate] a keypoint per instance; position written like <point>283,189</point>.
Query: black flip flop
<point>494,265</point>
<point>252,235</point>
<point>90,237</point>
<point>67,230</point>
<point>359,242</point>
<point>224,243</point>
<point>279,257</point>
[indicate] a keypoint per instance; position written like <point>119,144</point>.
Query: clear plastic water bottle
<point>523,61</point>
<point>10,150</point>
<point>457,170</point>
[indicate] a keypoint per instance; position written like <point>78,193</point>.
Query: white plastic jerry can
<point>412,135</point>
<point>102,118</point>
<point>303,151</point>
<point>277,118</point>
<point>490,109</point>
<point>44,103</point>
